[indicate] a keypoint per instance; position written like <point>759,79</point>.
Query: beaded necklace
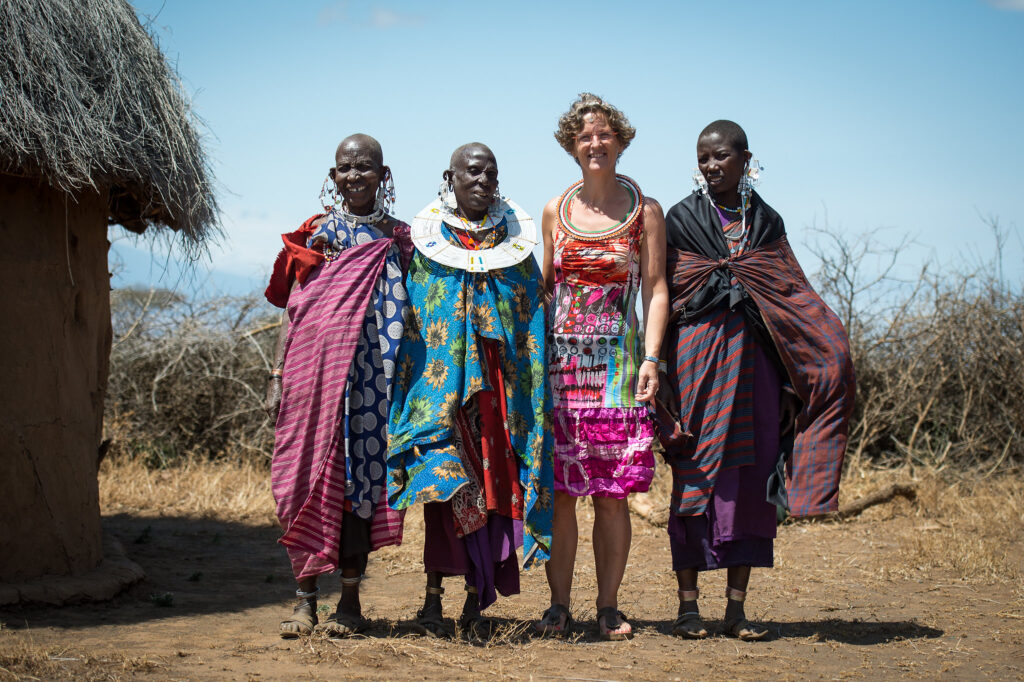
<point>352,221</point>
<point>565,211</point>
<point>729,210</point>
<point>477,226</point>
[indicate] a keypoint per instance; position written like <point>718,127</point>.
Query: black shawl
<point>693,225</point>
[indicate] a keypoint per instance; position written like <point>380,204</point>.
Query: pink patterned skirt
<point>603,451</point>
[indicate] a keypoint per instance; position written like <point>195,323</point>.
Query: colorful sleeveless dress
<point>602,436</point>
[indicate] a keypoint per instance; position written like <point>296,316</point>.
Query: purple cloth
<point>486,557</point>
<point>738,527</point>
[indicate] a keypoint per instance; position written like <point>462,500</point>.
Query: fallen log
<point>886,494</point>
<point>641,505</point>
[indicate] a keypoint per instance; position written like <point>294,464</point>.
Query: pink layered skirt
<point>603,451</point>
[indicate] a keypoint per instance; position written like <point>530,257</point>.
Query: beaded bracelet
<point>651,358</point>
<point>275,374</point>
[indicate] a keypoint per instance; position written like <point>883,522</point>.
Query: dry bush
<point>939,359</point>
<point>187,376</point>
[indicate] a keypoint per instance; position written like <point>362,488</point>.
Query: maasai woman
<point>749,343</point>
<point>468,422</point>
<point>340,277</point>
<point>604,242</point>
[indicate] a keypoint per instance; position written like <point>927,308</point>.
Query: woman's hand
<point>647,381</point>
<point>789,410</point>
<point>272,404</point>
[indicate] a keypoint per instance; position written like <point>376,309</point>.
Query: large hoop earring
<point>385,200</point>
<point>700,185</point>
<point>751,176</point>
<point>446,193</point>
<point>329,194</point>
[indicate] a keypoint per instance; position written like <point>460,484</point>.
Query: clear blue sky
<point>896,114</point>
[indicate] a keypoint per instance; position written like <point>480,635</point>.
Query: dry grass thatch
<point>87,101</point>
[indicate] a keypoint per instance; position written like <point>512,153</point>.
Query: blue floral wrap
<point>439,370</point>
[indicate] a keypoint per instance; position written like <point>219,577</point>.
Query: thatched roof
<point>87,100</point>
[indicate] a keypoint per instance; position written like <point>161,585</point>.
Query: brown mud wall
<point>54,352</point>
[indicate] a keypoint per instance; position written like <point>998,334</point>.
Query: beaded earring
<point>329,191</point>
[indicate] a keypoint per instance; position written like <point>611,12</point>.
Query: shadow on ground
<point>193,566</point>
<point>856,631</point>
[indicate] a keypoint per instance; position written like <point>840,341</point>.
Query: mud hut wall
<point>55,345</point>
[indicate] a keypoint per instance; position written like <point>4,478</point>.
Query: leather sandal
<point>741,628</point>
<point>688,624</point>
<point>556,621</point>
<point>339,624</point>
<point>303,618</point>
<point>608,631</point>
<point>430,620</point>
<point>475,624</point>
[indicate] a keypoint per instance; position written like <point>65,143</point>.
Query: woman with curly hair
<point>604,243</point>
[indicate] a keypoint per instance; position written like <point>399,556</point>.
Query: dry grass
<point>22,659</point>
<point>968,525</point>
<point>231,491</point>
<point>979,522</point>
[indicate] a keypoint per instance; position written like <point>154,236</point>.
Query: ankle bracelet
<point>689,595</point>
<point>306,595</point>
<point>734,594</point>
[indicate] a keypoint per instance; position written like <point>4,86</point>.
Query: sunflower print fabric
<point>439,370</point>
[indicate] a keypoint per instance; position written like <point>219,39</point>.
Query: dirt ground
<point>869,598</point>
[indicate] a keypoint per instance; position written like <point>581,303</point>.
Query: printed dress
<point>603,437</point>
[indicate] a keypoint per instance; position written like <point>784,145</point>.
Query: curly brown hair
<point>571,122</point>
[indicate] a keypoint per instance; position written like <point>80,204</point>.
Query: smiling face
<point>358,171</point>
<point>597,145</point>
<point>721,164</point>
<point>474,178</point>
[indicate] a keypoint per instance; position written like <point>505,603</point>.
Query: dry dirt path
<point>845,600</point>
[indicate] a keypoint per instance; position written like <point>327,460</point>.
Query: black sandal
<point>612,614</point>
<point>552,623</point>
<point>475,624</point>
<point>430,621</point>
<point>338,624</point>
<point>688,624</point>
<point>741,628</point>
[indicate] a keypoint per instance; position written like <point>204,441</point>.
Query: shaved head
<point>728,131</point>
<point>365,143</point>
<point>460,154</point>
